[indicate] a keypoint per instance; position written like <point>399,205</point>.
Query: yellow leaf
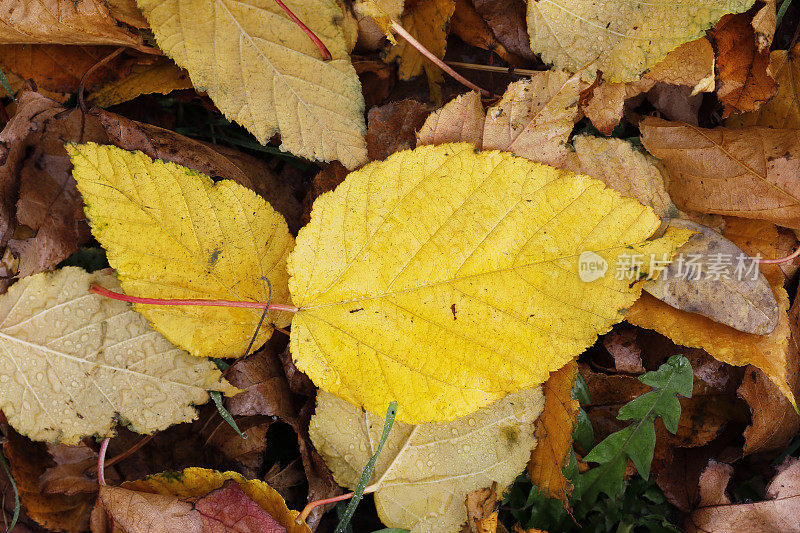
<point>72,362</point>
<point>263,71</point>
<point>783,111</point>
<point>161,77</point>
<point>554,433</point>
<point>192,483</point>
<point>425,472</point>
<point>625,169</point>
<point>383,12</point>
<point>767,352</point>
<point>533,120</point>
<point>446,278</point>
<point>171,232</point>
<point>621,38</point>
<point>428,22</point>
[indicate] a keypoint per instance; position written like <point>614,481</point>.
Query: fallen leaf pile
<point>554,239</point>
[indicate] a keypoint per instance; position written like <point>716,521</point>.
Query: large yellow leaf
<point>622,38</point>
<point>131,504</point>
<point>445,278</point>
<point>72,362</point>
<point>425,472</point>
<point>533,120</point>
<point>262,71</point>
<point>767,352</point>
<point>171,232</point>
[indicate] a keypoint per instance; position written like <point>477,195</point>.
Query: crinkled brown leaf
<point>749,172</point>
<point>506,18</point>
<point>778,512</point>
<point>62,22</point>
<point>393,127</point>
<point>468,24</point>
<point>744,79</point>
<point>47,222</point>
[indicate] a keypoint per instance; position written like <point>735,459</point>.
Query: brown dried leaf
<point>481,511</point>
<point>554,433</point>
<point>215,161</point>
<point>247,453</point>
<point>36,168</point>
<point>468,24</point>
<point>627,353</point>
<point>506,18</point>
<point>744,79</point>
<point>778,513</point>
<point>393,127</point>
<point>127,12</point>
<point>749,172</point>
<point>62,510</point>
<point>62,22</point>
<point>783,111</point>
<point>326,180</point>
<point>533,120</point>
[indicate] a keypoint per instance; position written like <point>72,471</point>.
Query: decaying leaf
<point>554,433</point>
<point>65,510</point>
<point>777,513</point>
<point>428,21</point>
<point>163,77</point>
<point>471,28</point>
<point>533,120</point>
<point>506,18</point>
<point>688,68</point>
<point>425,472</point>
<point>713,277</point>
<point>195,499</point>
<point>748,172</point>
<point>194,239</point>
<point>621,38</point>
<point>46,223</point>
<point>744,79</point>
<point>767,352</point>
<point>481,511</point>
<point>783,111</point>
<point>622,167</point>
<point>393,127</point>
<point>262,71</point>
<point>431,278</point>
<point>62,22</point>
<point>72,362</point>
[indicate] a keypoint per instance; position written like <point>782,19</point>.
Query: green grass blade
<point>7,86</point>
<point>782,11</point>
<point>226,416</point>
<point>358,493</point>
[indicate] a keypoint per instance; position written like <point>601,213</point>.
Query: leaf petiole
<point>326,55</point>
<point>102,291</point>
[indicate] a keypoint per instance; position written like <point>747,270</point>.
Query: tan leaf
<point>745,82</point>
<point>554,432</point>
<point>126,12</point>
<point>699,282</point>
<point>627,353</point>
<point>533,120</point>
<point>783,111</point>
<point>748,172</point>
<point>618,164</point>
<point>162,77</point>
<point>767,352</point>
<point>66,387</point>
<point>62,22</point>
<point>481,511</point>
<point>777,513</point>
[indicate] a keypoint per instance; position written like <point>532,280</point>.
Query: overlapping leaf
<point>263,72</point>
<point>71,362</point>
<point>445,278</point>
<point>170,232</point>
<point>425,472</point>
